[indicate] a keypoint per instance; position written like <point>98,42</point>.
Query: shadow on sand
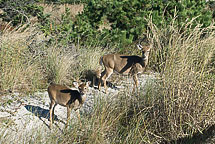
<point>41,113</point>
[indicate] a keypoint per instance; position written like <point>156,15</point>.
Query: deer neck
<point>144,59</point>
<point>83,96</point>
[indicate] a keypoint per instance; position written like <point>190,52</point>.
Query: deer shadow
<point>41,113</point>
<point>38,111</point>
<point>90,75</point>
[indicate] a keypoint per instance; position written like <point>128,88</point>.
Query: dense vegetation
<point>127,20</point>
<point>178,104</point>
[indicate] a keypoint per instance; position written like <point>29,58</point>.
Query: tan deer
<point>123,64</point>
<point>67,97</point>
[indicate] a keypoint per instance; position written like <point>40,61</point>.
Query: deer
<point>124,64</point>
<point>67,97</point>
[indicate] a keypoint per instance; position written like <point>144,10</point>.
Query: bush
<point>20,11</point>
<point>128,19</point>
<point>110,22</point>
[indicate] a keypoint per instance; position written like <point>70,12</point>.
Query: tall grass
<point>18,70</point>
<point>28,63</point>
<point>57,65</point>
<point>185,60</point>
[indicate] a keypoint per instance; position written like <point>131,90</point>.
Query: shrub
<point>128,19</point>
<point>20,11</point>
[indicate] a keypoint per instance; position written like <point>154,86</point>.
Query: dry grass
<point>18,69</point>
<point>27,63</point>
<point>58,65</point>
<point>185,60</point>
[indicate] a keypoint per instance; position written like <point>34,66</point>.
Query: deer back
<point>120,63</point>
<point>63,95</point>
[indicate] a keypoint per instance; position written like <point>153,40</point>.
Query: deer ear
<point>75,84</point>
<point>88,83</point>
<point>139,46</point>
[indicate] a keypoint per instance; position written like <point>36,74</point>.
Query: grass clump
<point>18,70</point>
<point>185,61</point>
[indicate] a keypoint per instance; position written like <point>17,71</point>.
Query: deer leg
<point>94,81</point>
<point>51,110</point>
<point>68,115</point>
<point>106,76</point>
<point>79,117</point>
<point>100,79</point>
<point>135,82</point>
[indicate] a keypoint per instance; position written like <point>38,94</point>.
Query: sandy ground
<point>25,117</point>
